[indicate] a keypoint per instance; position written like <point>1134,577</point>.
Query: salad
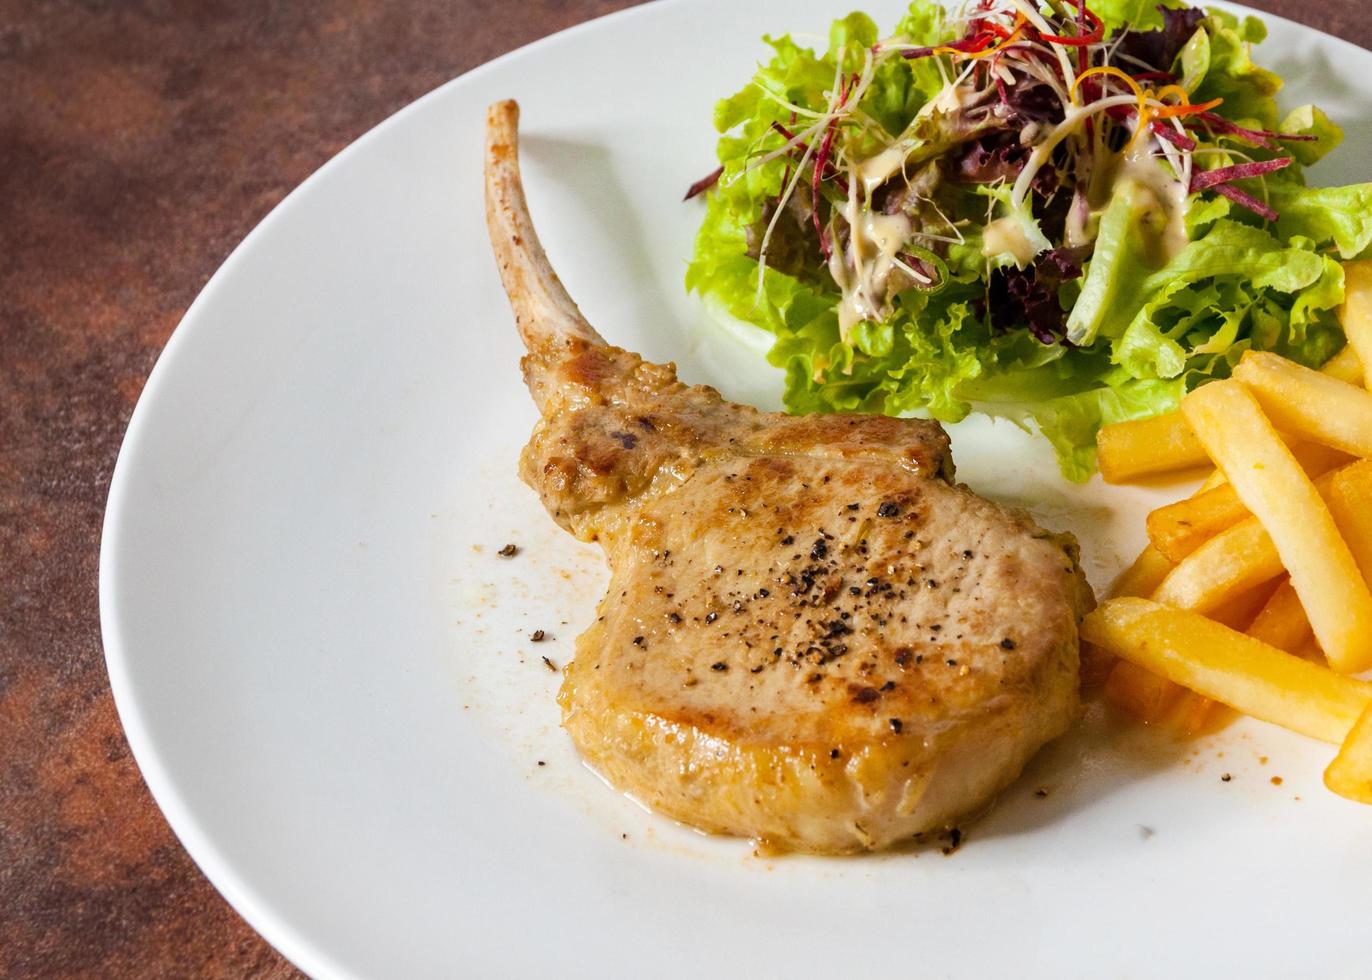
<point>1064,213</point>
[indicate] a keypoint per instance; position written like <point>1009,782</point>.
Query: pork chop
<point>812,636</point>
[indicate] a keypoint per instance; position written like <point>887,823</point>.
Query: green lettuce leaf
<point>1338,215</point>
<point>1145,327</point>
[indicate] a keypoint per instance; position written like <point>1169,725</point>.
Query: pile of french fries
<point>1254,591</point>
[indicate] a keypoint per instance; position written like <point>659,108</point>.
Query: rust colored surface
<point>140,140</point>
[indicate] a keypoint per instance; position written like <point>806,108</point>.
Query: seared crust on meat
<point>824,653</point>
<point>811,635</point>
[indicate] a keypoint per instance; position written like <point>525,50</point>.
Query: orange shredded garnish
<point>1113,72</point>
<point>1010,39</point>
<point>1189,109</point>
<point>1183,98</point>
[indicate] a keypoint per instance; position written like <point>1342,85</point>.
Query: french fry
<point>1228,565</point>
<point>1350,501</point>
<point>1239,612</point>
<point>1179,529</point>
<point>1098,667</point>
<point>1350,774</point>
<point>1310,650</point>
<point>1346,366</point>
<point>1225,567</point>
<point>1282,622</point>
<point>1143,695</point>
<point>1144,576</point>
<point>1153,699</point>
<point>1161,444</point>
<point>1226,418</point>
<point>1140,692</point>
<point>1356,314</point>
<point>1164,443</point>
<point>1227,666</point>
<point>1215,479</point>
<point>1307,403</point>
<point>1194,713</point>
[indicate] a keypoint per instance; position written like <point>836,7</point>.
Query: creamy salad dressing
<point>863,269</point>
<point>877,170</point>
<point>1006,236</point>
<point>1158,196</point>
<point>1162,199</point>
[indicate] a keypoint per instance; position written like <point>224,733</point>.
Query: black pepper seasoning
<point>509,551</point>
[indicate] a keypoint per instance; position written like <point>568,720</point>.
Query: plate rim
<point>199,845</point>
<point>245,899</point>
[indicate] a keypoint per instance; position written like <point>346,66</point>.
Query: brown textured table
<point>140,140</point>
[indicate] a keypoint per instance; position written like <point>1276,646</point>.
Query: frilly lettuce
<point>1143,335</point>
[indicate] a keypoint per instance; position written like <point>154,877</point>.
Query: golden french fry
<point>1226,418</point>
<point>1144,576</point>
<point>1140,578</point>
<point>1346,366</point>
<point>1194,714</point>
<point>1350,501</point>
<point>1161,444</point>
<point>1224,568</point>
<point>1141,693</point>
<point>1356,314</point>
<point>1179,529</point>
<point>1215,479</point>
<point>1164,443</point>
<point>1310,650</point>
<point>1239,612</point>
<point>1350,774</point>
<point>1307,403</point>
<point>1227,666</point>
<point>1282,622</point>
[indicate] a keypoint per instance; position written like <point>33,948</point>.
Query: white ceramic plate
<point>324,667</point>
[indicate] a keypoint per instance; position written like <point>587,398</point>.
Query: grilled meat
<point>812,635</point>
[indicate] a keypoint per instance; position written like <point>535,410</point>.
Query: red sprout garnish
<point>1206,179</point>
<point>1080,40</point>
<point>1002,90</point>
<point>1258,137</point>
<point>1179,140</point>
<point>1083,55</point>
<point>1246,200</point>
<point>822,162</point>
<point>798,153</point>
<point>704,183</point>
<point>966,45</point>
